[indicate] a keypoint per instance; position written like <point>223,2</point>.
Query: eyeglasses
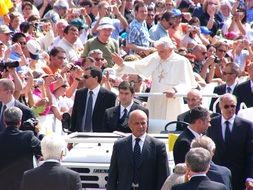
<point>222,50</point>
<point>22,43</point>
<point>151,15</point>
<point>86,76</point>
<point>229,106</point>
<point>99,59</point>
<point>212,3</point>
<point>225,73</point>
<point>60,57</point>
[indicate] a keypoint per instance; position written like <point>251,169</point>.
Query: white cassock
<point>175,72</point>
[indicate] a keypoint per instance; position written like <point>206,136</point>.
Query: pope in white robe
<point>170,72</point>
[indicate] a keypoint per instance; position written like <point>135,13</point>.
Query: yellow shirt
<point>5,5</point>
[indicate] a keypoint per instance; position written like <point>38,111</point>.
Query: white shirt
<point>232,86</point>
<point>141,142</point>
<point>122,109</point>
<point>11,103</point>
<point>223,125</point>
<point>194,132</point>
<point>251,85</point>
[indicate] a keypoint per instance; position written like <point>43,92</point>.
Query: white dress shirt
<point>223,125</point>
<point>141,142</point>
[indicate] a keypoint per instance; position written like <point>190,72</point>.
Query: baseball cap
<point>205,30</point>
<point>4,29</point>
<point>34,49</point>
<point>105,22</point>
<point>79,23</point>
<point>176,12</point>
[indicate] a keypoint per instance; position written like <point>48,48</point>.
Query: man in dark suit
<point>17,149</point>
<point>194,99</point>
<point>116,118</point>
<point>199,121</point>
<point>244,91</point>
<point>138,161</point>
<point>7,89</point>
<point>230,73</point>
<point>198,162</point>
<point>216,172</point>
<point>84,119</point>
<point>234,146</point>
<point>51,175</point>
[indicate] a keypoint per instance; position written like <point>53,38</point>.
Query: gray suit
<point>153,168</point>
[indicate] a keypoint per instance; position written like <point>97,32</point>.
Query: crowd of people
<point>89,58</point>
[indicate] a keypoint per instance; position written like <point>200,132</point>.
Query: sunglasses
<point>229,106</point>
<point>222,50</point>
<point>86,76</point>
<point>22,43</point>
<point>99,59</point>
<point>225,73</point>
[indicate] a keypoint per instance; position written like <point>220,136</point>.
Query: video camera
<point>5,64</point>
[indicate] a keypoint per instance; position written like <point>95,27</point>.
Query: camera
<point>216,60</point>
<point>29,124</point>
<point>73,68</point>
<point>38,81</point>
<point>5,64</point>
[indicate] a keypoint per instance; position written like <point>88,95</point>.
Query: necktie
<point>229,90</point>
<point>123,118</point>
<point>88,117</point>
<point>2,118</point>
<point>227,132</point>
<point>137,159</point>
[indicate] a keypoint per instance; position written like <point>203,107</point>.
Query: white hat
<point>34,48</point>
<point>166,41</point>
<point>61,3</point>
<point>105,22</point>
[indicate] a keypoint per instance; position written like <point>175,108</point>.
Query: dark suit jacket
<point>27,112</point>
<point>186,118</point>
<point>220,174</point>
<point>183,117</point>
<point>153,168</point>
<point>112,118</point>
<point>51,176</point>
<point>220,90</point>
<point>182,146</point>
<point>17,149</point>
<point>105,99</point>
<point>238,156</point>
<point>199,183</point>
<point>244,94</point>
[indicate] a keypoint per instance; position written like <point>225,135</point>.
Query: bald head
<point>194,98</point>
<point>200,52</point>
<point>227,105</point>
<point>137,122</point>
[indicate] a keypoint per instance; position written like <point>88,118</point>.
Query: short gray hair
<point>204,142</point>
<point>52,147</point>
<point>198,159</point>
<point>95,51</point>
<point>7,84</point>
<point>13,116</point>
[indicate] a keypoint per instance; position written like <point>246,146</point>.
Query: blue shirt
<point>138,33</point>
<point>157,31</point>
